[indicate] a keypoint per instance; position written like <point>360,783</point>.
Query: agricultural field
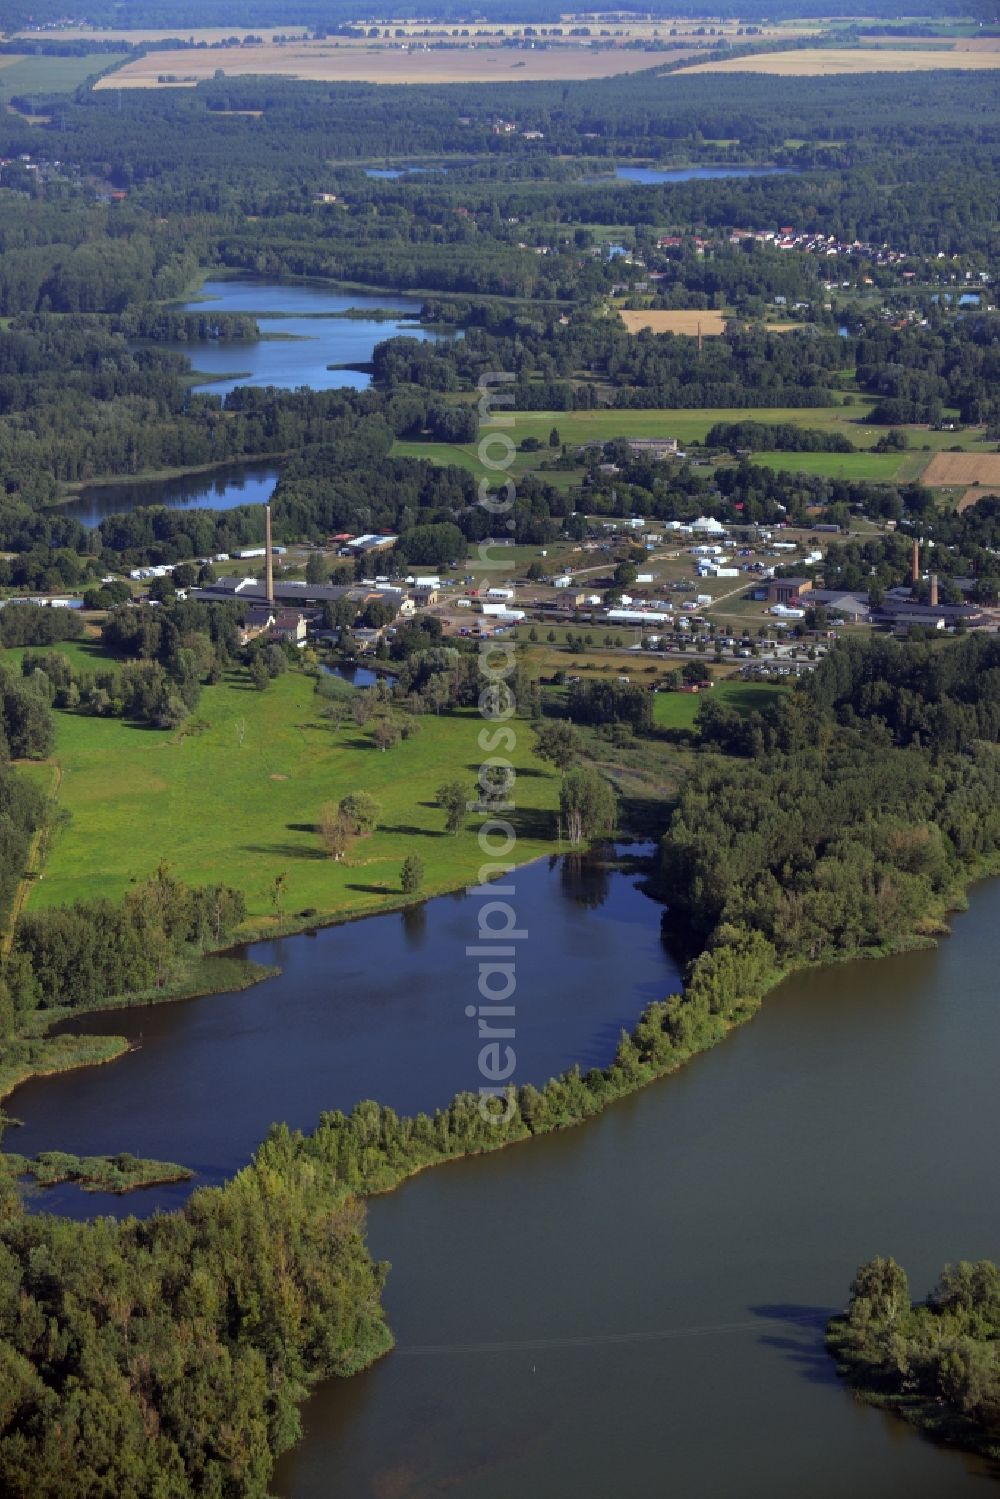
<point>48,75</point>
<point>820,62</point>
<point>878,468</point>
<point>679,710</point>
<point>688,425</point>
<point>329,62</point>
<point>236,798</point>
<point>709,323</point>
<point>578,427</point>
<point>954,469</point>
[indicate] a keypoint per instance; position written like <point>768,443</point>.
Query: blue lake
<point>389,174</point>
<point>217,489</point>
<point>308,330</point>
<point>660,175</point>
<point>657,176</point>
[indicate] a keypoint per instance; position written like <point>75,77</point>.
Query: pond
<point>652,176</point>
<point>221,488</point>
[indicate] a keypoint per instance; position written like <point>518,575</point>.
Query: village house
<point>259,619</point>
<point>289,628</point>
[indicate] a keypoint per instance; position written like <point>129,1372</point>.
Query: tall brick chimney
<point>915,565</point>
<point>934,590</point>
<point>268,557</point>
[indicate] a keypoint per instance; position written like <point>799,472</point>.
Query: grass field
<point>577,427</point>
<point>239,800</point>
<point>679,710</point>
<point>327,61</point>
<point>708,323</point>
<point>48,75</point>
<point>881,468</point>
<point>601,425</point>
<point>821,61</point>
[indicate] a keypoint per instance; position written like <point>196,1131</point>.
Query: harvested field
<point>331,62</point>
<point>819,62</point>
<point>710,324</point>
<point>973,496</point>
<point>957,469</point>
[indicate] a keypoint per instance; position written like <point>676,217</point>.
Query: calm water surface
<point>314,334</point>
<point>659,175</point>
<point>634,1309</point>
<point>372,1009</point>
<point>220,489</point>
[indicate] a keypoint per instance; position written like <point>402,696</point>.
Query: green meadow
<point>50,75</point>
<point>679,710</point>
<point>883,468</point>
<point>237,794</point>
<point>688,426</point>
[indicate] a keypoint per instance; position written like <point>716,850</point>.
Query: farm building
<point>652,447</point>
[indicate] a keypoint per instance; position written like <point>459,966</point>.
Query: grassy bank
<point>26,1056</point>
<point>35,1053</point>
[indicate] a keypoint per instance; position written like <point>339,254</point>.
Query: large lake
<point>314,333</point>
<point>635,1308</point>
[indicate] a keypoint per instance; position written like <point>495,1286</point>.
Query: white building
<point>636,617</point>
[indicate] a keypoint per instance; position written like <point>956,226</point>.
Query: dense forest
<point>844,818</point>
